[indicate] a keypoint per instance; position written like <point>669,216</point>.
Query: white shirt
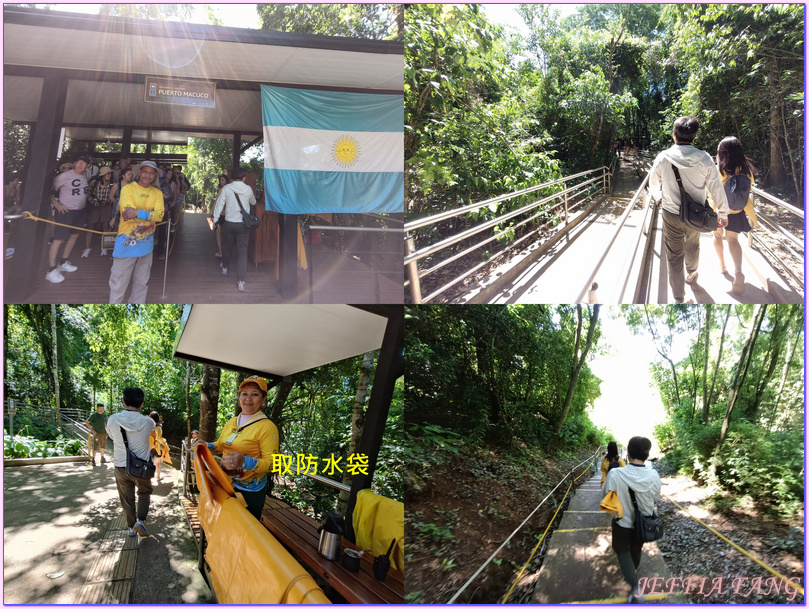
<point>643,480</point>
<point>698,173</point>
<point>138,428</point>
<point>227,200</point>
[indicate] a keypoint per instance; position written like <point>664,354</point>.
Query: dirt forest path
<point>580,565</point>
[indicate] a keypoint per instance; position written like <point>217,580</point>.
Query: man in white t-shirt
<point>69,200</point>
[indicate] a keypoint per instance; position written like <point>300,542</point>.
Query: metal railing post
<point>564,189</point>
<point>413,271</point>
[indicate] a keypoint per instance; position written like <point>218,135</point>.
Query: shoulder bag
<point>249,220</point>
<point>647,528</point>
<point>696,216</point>
<point>135,466</point>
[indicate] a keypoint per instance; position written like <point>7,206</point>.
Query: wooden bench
<point>299,534</point>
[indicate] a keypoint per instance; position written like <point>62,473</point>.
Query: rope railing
<point>514,532</point>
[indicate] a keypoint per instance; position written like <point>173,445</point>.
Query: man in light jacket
<point>138,428</point>
<point>698,173</point>
<point>235,234</point>
<point>646,484</point>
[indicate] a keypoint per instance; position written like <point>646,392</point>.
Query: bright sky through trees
<point>629,404</point>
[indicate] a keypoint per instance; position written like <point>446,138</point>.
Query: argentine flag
<point>332,151</point>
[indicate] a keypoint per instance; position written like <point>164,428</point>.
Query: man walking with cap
<point>69,200</point>
<point>141,208</point>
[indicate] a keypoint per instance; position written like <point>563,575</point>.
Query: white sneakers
<point>240,285</point>
<point>86,253</point>
<point>103,252</point>
<point>55,276</point>
<point>691,278</point>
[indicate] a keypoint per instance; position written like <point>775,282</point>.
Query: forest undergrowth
<point>461,510</point>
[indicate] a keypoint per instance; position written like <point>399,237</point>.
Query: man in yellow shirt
<point>141,208</point>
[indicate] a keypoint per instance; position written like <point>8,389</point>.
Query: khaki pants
<point>126,493</point>
<point>682,243</point>
<point>138,270</point>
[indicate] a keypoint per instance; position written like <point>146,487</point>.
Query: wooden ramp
<point>580,565</point>
<point>764,284</point>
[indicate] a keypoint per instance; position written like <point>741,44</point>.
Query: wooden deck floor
<point>192,276</point>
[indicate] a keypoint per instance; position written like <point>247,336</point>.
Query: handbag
<point>135,466</point>
<point>647,528</point>
<point>249,220</point>
<point>697,216</point>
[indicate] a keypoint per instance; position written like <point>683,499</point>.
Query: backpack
<point>613,465</point>
<point>737,190</point>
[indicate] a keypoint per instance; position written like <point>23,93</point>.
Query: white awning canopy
<point>107,60</point>
<point>276,340</point>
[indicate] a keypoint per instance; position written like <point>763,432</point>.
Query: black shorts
<point>74,218</point>
<point>738,223</point>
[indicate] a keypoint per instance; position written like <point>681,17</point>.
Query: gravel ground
<point>719,573</point>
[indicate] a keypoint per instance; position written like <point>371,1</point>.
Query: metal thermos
<point>331,536</point>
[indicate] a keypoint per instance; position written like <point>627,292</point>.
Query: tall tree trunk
<point>5,351</point>
<point>399,10</point>
<point>188,398</point>
<point>209,402</point>
<point>795,176</point>
<point>716,368</point>
<point>357,422</point>
<point>237,410</point>
<point>578,361</point>
<point>777,175</point>
<point>738,379</point>
<point>784,374</point>
<point>771,361</point>
<point>705,394</point>
<point>54,346</point>
<point>610,75</point>
<point>663,355</point>
<point>277,409</point>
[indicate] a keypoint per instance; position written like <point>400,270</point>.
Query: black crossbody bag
<point>697,216</point>
<point>135,466</point>
<point>249,220</point>
<point>647,528</point>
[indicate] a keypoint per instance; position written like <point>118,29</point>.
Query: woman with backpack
<point>611,461</point>
<point>736,172</point>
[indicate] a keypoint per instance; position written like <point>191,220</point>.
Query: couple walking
<point>698,173</point>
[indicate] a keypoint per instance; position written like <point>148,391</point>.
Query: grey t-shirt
<point>72,189</point>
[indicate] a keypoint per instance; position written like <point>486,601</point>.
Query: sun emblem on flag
<point>345,151</point>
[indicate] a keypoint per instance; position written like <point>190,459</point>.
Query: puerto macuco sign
<point>183,92</point>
